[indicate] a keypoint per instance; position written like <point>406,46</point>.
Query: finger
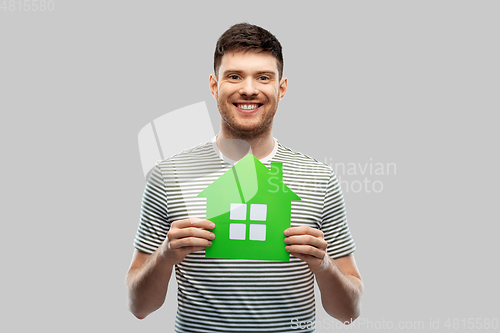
<point>184,251</point>
<point>303,257</point>
<point>310,260</point>
<point>307,240</point>
<point>306,250</point>
<point>303,230</point>
<point>189,242</point>
<point>193,249</point>
<point>178,233</point>
<point>193,222</point>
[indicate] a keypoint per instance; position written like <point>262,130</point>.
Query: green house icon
<point>250,206</point>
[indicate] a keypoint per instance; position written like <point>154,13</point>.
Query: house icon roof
<point>250,206</point>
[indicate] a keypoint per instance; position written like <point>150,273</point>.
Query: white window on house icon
<point>258,212</point>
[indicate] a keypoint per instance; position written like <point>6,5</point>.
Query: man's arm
<point>338,280</point>
<point>147,282</point>
<point>341,288</point>
<point>148,275</point>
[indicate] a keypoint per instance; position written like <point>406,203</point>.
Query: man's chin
<point>245,132</point>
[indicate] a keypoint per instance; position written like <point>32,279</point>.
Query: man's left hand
<point>307,244</point>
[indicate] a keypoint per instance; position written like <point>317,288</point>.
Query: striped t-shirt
<point>227,295</point>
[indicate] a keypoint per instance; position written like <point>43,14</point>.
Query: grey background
<point>413,83</point>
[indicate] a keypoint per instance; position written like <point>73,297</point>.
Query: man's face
<point>247,90</point>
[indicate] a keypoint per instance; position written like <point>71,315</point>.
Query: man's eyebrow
<point>270,73</point>
<point>238,71</point>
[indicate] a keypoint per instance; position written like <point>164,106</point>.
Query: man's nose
<point>248,87</point>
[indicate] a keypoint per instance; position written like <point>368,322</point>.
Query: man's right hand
<point>186,236</point>
<point>148,275</point>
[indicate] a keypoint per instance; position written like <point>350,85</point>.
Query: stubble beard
<point>264,125</point>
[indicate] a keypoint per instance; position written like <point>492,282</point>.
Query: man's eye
<point>233,77</point>
<point>263,78</point>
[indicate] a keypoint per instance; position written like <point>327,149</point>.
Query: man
<point>223,295</point>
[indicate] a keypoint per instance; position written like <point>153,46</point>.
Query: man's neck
<point>236,148</point>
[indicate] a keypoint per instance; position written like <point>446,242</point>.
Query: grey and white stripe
<point>222,295</point>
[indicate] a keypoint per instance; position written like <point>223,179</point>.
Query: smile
<point>247,106</point>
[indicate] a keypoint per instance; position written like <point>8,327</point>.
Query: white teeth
<point>247,106</point>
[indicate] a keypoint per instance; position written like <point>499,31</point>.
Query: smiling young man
<point>224,295</point>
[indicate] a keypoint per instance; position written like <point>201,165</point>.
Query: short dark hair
<point>248,37</point>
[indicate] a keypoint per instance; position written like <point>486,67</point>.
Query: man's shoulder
<point>201,152</point>
<point>192,163</point>
<point>297,159</point>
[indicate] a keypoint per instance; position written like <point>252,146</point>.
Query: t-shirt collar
<point>232,162</point>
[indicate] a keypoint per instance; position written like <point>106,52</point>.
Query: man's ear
<point>213,86</point>
<point>282,88</point>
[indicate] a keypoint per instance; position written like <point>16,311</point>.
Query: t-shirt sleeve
<point>153,225</point>
<point>334,221</point>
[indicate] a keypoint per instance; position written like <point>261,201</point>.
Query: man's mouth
<point>247,106</point>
